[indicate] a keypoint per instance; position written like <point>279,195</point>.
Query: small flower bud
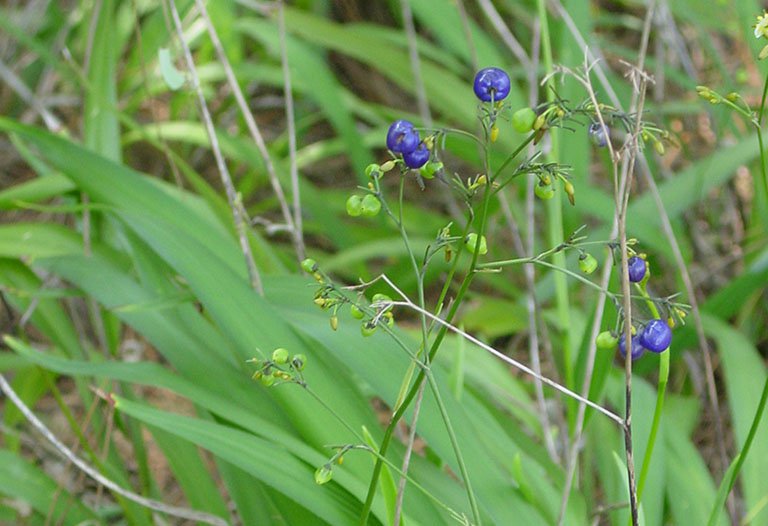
<point>334,322</point>
<point>494,133</point>
<point>659,147</point>
<point>569,190</point>
<point>320,302</point>
<point>539,122</point>
<point>387,166</point>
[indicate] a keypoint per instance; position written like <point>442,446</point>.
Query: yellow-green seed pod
<point>569,190</point>
<point>539,122</point>
<point>334,322</point>
<point>659,147</point>
<point>494,133</point>
<point>320,302</point>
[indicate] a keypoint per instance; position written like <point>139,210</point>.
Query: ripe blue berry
<point>636,267</point>
<point>402,137</point>
<point>637,347</point>
<point>417,158</point>
<point>491,84</point>
<point>656,336</point>
<point>598,134</point>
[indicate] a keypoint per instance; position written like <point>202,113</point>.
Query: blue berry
<point>598,134</point>
<point>656,336</point>
<point>637,347</point>
<point>491,84</point>
<point>402,137</point>
<point>417,158</point>
<point>636,267</point>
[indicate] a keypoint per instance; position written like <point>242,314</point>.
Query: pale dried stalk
<point>174,511</point>
<point>253,128</point>
<point>232,197</point>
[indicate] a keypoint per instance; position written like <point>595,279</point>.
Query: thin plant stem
<point>250,122</point>
<point>298,223</point>
<point>232,196</point>
<point>668,232</point>
<point>555,216</point>
<point>660,392</point>
<point>742,456</point>
<point>409,397</point>
<point>174,511</point>
<point>511,361</point>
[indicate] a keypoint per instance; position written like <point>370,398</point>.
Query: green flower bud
<point>267,380</point>
<point>334,322</point>
<point>387,166</point>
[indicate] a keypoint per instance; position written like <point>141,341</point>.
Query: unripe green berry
<point>367,329</point>
<point>372,170</point>
<point>298,362</point>
<point>309,266</point>
<point>606,341</point>
<point>371,205</point>
<point>354,205</point>
<point>356,312</point>
<point>587,263</point>
<point>280,356</point>
<point>323,475</point>
<point>267,380</point>
<point>544,191</point>
<point>523,119</point>
<point>471,243</point>
<point>380,298</point>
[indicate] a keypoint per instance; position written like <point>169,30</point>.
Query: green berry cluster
<point>280,368</point>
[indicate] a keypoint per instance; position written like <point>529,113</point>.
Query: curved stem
<point>661,391</point>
